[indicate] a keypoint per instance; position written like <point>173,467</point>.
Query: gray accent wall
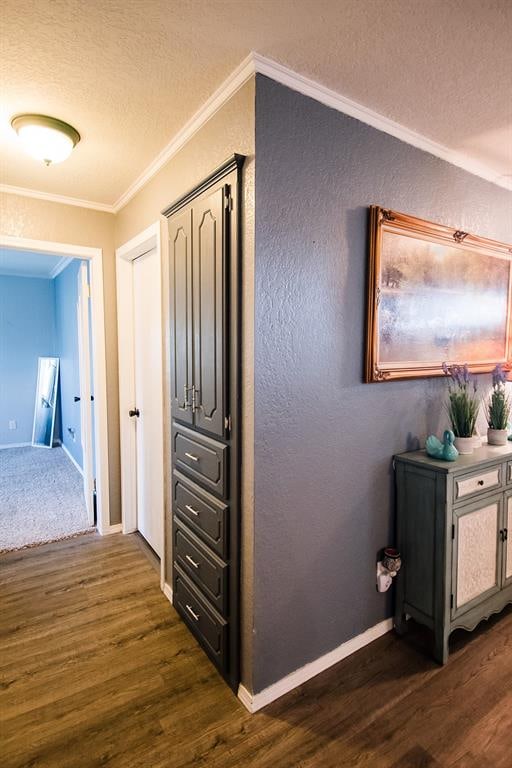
<point>324,499</point>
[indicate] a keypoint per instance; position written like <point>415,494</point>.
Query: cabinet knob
<point>480,482</point>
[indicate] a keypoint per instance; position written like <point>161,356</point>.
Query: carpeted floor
<point>41,497</point>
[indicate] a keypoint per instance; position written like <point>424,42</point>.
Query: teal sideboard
<point>454,530</point>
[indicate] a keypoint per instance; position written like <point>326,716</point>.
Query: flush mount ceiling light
<point>45,138</point>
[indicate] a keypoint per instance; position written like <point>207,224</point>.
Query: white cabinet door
<point>476,553</point>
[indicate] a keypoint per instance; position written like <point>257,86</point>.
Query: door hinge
<point>227,423</point>
<point>87,290</point>
<point>451,601</point>
<point>453,531</point>
<point>229,203</point>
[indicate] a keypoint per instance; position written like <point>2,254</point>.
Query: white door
<point>84,362</point>
<point>147,360</point>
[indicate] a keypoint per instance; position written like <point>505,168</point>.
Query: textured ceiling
<point>129,74</point>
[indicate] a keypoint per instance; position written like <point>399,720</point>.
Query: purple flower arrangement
<point>463,400</point>
<point>497,409</point>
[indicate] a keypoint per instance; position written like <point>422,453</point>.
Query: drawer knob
<point>191,457</point>
<point>192,510</point>
<point>195,616</point>
<point>480,482</point>
<point>192,562</point>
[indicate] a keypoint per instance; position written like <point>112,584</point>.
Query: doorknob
<point>134,412</point>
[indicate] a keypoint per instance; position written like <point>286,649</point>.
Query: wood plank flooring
<point>96,669</point>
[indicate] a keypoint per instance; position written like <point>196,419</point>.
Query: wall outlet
<point>12,424</point>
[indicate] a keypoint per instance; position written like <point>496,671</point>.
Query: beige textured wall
<point>231,129</point>
<point>42,220</point>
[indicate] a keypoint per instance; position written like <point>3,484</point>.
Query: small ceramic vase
<point>464,445</point>
<point>497,436</point>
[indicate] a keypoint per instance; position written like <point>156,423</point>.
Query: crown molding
<point>253,64</point>
<point>340,103</point>
<point>224,92</point>
<point>51,198</point>
<point>60,266</point>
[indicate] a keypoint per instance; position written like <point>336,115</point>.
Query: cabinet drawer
<point>478,482</point>
<point>205,515</point>
<point>207,571</point>
<point>204,622</point>
<point>509,472</point>
<point>201,458</point>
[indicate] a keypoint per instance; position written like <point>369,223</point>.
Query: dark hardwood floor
<point>97,670</point>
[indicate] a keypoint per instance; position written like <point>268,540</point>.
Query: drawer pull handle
<point>480,482</point>
<point>195,616</point>
<point>192,510</point>
<point>191,457</point>
<point>192,562</point>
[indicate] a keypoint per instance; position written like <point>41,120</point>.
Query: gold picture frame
<point>435,294</point>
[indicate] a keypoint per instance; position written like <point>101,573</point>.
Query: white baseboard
<point>167,590</point>
<point>70,457</point>
<point>14,445</point>
<point>109,529</point>
<point>255,701</point>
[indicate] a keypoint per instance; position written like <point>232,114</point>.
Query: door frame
<point>95,258</point>
<point>147,240</point>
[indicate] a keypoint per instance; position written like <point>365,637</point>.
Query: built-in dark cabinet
<point>205,407</point>
<point>197,237</point>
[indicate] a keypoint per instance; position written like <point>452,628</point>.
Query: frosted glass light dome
<point>44,138</point>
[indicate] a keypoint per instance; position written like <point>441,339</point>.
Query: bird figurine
<point>442,450</point>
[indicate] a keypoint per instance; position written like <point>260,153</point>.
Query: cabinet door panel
<point>209,311</point>
<point>508,542</point>
<point>180,273</point>
<point>477,553</point>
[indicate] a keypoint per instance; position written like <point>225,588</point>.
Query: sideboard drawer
<point>467,486</point>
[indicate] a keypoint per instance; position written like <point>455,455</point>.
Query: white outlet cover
<point>12,424</point>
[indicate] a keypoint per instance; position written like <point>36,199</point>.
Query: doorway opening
<point>53,431</point>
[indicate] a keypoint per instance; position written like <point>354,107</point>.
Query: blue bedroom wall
<point>27,332</point>
<point>66,297</point>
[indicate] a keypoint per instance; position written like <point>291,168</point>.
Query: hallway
<point>97,670</point>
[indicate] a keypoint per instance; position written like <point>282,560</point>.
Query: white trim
<point>167,590</point>
<point>9,189</point>
<point>45,246</point>
<point>95,255</point>
<point>4,446</point>
<point>142,243</point>
<point>254,702</point>
<point>71,458</point>
<point>110,529</point>
<point>340,103</point>
<point>59,267</point>
<point>225,91</point>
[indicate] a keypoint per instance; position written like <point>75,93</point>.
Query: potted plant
<point>497,409</point>
<point>463,405</point>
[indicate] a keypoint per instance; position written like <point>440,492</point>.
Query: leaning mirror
<point>46,402</point>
